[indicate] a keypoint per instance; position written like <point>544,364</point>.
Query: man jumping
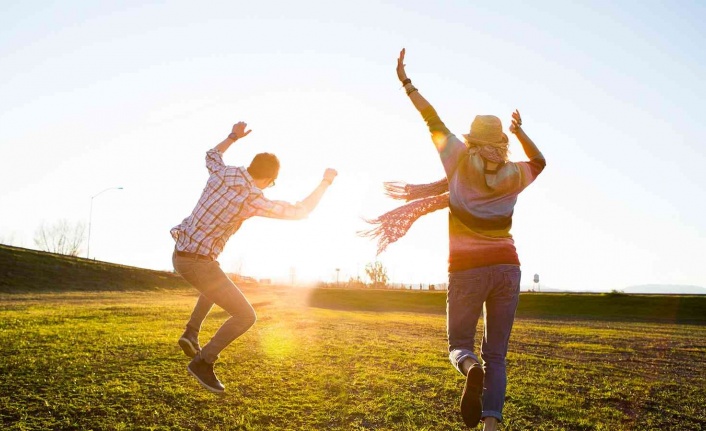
<point>232,195</point>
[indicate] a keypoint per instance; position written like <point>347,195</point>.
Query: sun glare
<point>278,342</point>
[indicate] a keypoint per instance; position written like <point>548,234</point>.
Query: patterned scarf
<point>423,199</point>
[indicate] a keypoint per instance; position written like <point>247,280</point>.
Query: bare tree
<point>377,274</point>
<point>62,237</point>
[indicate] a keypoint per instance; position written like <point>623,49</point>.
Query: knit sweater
<point>481,202</point>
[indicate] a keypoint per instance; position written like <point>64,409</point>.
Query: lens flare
<point>278,342</point>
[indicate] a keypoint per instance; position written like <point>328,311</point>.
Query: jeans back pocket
<point>511,281</point>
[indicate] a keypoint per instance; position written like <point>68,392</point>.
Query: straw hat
<point>487,130</point>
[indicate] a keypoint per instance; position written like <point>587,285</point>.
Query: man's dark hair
<point>264,165</point>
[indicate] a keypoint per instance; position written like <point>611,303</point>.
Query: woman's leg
<point>500,307</point>
<point>464,304</point>
<point>467,291</point>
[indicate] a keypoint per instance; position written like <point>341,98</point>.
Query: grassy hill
<point>25,271</point>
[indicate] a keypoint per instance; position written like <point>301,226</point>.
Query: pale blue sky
<point>132,94</point>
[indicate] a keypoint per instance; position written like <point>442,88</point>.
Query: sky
<point>100,95</point>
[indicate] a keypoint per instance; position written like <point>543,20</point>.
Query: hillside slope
<point>23,271</point>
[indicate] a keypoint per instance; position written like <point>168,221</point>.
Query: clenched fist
<point>329,175</point>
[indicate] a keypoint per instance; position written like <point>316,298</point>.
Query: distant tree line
<point>377,278</point>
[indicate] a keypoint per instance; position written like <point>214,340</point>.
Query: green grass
<point>332,360</point>
<point>662,308</point>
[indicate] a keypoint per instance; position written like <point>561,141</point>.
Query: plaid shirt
<point>229,198</point>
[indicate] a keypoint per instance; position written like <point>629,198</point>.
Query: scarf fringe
<point>397,190</point>
<point>394,224</point>
<point>423,199</point>
<point>410,192</point>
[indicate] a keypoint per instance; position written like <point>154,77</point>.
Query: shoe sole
<point>189,349</point>
<point>472,398</point>
<point>209,388</point>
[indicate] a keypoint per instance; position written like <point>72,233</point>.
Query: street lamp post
<point>90,218</point>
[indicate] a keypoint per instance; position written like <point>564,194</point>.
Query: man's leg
<point>189,340</point>
<point>232,300</point>
<point>212,282</point>
<point>499,316</point>
<point>201,309</point>
<point>467,290</point>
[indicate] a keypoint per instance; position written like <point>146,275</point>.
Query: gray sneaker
<point>203,372</point>
<point>189,343</point>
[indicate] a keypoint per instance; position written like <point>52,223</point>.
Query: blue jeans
<point>495,291</point>
<point>216,288</point>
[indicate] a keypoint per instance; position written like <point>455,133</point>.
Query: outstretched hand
<point>516,122</point>
<point>239,130</point>
<point>329,175</point>
<point>401,74</point>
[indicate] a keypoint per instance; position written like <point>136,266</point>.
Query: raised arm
<point>237,133</point>
<point>311,201</point>
<point>449,147</point>
<point>417,99</point>
<point>214,156</point>
<point>528,145</point>
<point>288,211</point>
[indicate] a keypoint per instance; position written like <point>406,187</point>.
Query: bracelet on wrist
<point>406,81</point>
<point>411,90</point>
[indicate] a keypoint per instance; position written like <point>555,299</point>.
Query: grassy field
<point>332,360</point>
<point>606,306</point>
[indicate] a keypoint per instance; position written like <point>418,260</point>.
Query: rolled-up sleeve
<point>231,176</point>
<point>278,209</point>
<point>214,161</point>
